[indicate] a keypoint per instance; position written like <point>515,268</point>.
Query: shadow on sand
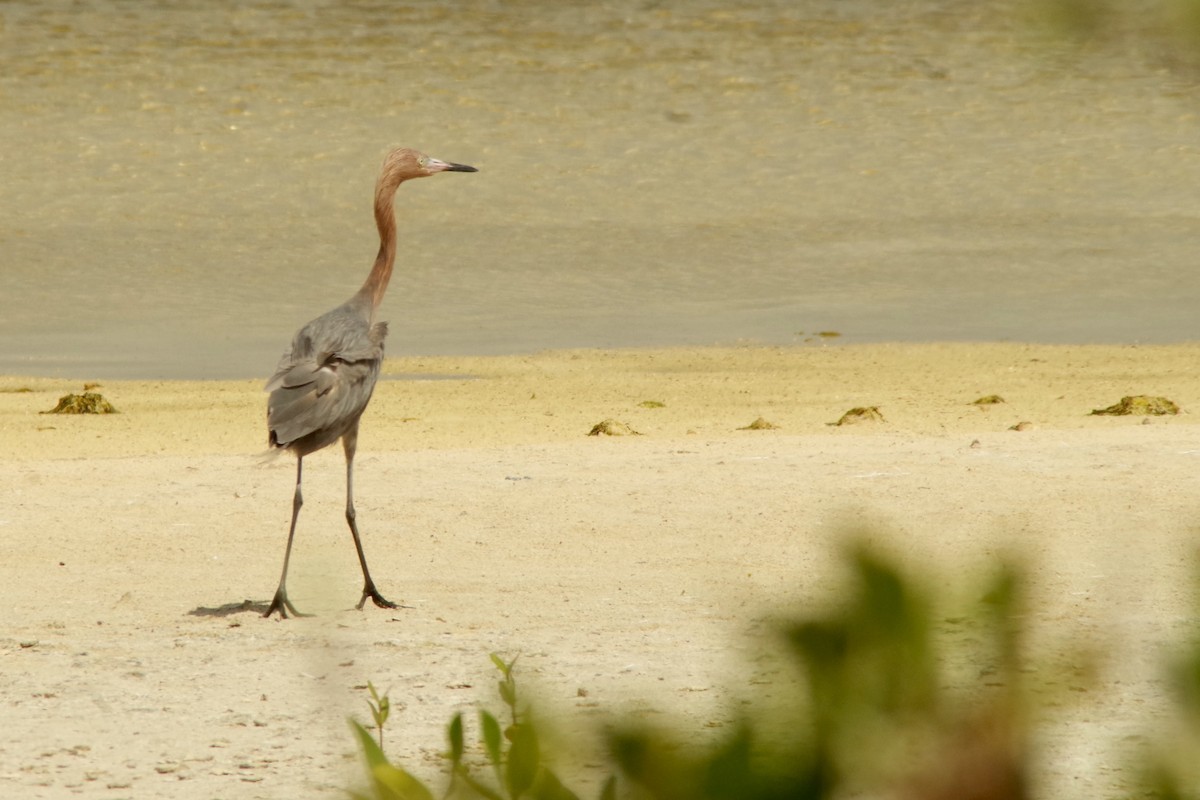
<point>229,609</point>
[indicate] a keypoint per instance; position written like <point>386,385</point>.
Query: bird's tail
<point>269,456</point>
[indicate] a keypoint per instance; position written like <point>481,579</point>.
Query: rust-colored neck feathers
<point>385,219</point>
<point>400,165</point>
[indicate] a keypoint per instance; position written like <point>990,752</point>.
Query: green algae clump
<point>1141,405</point>
<point>612,427</point>
<point>760,424</point>
<point>859,414</point>
<point>86,403</point>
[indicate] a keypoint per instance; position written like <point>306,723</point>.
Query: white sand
<point>631,568</point>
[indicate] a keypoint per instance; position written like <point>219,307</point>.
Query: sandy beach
<point>631,573</point>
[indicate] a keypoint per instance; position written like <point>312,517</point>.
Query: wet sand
<point>637,568</point>
<point>186,185</point>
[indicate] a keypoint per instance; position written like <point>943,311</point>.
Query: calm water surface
<point>183,185</point>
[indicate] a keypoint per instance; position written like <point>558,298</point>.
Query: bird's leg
<point>350,444</point>
<point>281,602</point>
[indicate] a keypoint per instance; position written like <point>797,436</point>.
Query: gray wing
<point>322,385</point>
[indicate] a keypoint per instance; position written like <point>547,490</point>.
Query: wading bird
<point>324,381</point>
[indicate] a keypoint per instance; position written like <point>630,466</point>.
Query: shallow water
<point>182,187</point>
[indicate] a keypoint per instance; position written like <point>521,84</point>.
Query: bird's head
<point>404,163</point>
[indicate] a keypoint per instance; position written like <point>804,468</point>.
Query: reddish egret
<point>324,381</point>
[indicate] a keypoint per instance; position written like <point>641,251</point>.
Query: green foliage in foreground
<point>1172,771</point>
<point>513,754</point>
<point>879,713</point>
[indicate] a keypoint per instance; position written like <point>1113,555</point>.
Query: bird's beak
<point>437,165</point>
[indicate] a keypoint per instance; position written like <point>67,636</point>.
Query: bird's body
<point>324,381</point>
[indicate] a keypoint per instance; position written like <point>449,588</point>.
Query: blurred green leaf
<point>822,644</point>
<point>508,693</point>
<point>892,623</point>
<point>371,751</point>
<point>1001,613</point>
<point>823,647</point>
<point>492,742</point>
<point>504,667</point>
<point>728,772</point>
<point>631,752</point>
<point>479,788</point>
<point>388,782</point>
<point>651,761</point>
<point>523,760</point>
<point>455,734</point>
<point>492,737</point>
<point>394,783</point>
<point>1161,783</point>
<point>549,787</point>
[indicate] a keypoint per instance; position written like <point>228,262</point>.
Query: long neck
<point>373,289</point>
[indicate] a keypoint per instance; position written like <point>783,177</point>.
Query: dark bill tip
<point>460,168</point>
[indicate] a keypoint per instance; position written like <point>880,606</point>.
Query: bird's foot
<point>370,591</point>
<point>283,606</point>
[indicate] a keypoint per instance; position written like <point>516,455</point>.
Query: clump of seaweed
<point>86,403</point>
<point>612,427</point>
<point>760,424</point>
<point>859,414</point>
<point>1142,404</point>
<point>652,404</point>
<point>819,335</point>
<point>988,400</point>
